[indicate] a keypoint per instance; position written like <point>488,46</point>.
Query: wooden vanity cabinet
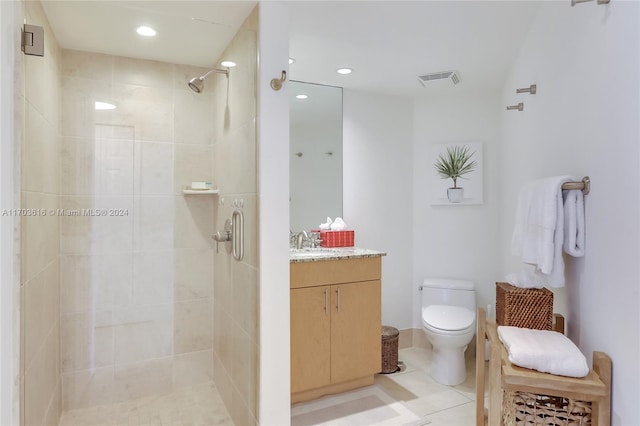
<point>335,326</point>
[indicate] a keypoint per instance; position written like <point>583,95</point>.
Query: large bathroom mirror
<point>315,154</point>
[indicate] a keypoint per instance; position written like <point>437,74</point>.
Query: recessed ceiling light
<point>228,64</point>
<point>292,61</point>
<point>103,105</point>
<point>302,96</point>
<point>344,70</point>
<point>146,31</point>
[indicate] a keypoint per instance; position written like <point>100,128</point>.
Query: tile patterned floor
<point>442,405</point>
<point>191,406</point>
<point>434,404</point>
<point>201,404</point>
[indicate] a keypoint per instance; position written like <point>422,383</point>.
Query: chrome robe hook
<point>276,83</point>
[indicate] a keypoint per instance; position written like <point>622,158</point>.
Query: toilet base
<point>448,366</point>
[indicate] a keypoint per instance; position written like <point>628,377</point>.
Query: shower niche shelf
<point>189,191</point>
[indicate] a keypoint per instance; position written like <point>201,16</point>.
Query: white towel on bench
<point>543,350</point>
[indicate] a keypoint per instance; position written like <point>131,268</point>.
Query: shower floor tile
<point>194,405</point>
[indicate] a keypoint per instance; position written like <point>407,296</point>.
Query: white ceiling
<point>109,27</point>
<point>390,43</point>
<point>387,43</point>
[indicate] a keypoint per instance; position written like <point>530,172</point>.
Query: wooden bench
<point>503,376</point>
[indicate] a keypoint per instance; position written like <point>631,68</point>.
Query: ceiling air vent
<point>453,76</point>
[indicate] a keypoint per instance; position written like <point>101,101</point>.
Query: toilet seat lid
<point>449,318</point>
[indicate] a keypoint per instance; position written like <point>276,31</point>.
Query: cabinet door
<point>355,330</point>
<point>310,338</point>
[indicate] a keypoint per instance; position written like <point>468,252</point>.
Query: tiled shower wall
<point>236,343</point>
<point>37,109</point>
<point>136,257</point>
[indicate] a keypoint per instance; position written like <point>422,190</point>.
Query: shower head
<point>197,83</point>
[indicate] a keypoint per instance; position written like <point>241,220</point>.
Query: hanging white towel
<point>574,223</point>
<point>538,235</point>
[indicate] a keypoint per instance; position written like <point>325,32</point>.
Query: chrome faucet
<point>301,237</point>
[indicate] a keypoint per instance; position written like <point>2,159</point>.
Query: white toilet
<point>449,321</point>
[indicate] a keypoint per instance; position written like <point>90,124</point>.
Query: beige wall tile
<point>194,114</point>
<point>242,369</point>
<point>41,310</point>
<point>244,296</point>
<point>142,72</point>
<point>94,282</point>
<point>143,379</point>
<point>75,230</point>
<point>94,66</point>
<point>148,109</point>
<point>153,277</point>
<point>235,170</point>
<point>193,274</point>
<point>222,338</point>
<point>192,368</point>
<point>239,410</point>
<point>154,168</point>
<point>52,416</point>
<point>86,340</point>
<point>193,163</point>
<point>96,166</point>
<point>88,388</point>
<point>40,152</point>
<point>77,174</point>
<point>142,333</point>
<point>194,222</point>
<point>41,378</point>
<point>222,380</point>
<point>39,234</point>
<point>42,86</point>
<point>78,114</point>
<point>193,329</point>
<point>222,277</point>
<point>154,222</point>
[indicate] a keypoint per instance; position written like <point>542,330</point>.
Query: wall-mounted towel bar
<point>584,185</point>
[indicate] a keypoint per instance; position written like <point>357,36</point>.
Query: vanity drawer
<point>311,274</point>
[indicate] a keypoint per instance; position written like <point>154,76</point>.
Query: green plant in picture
<point>455,163</point>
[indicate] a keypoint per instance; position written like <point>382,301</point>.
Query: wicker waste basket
<point>390,337</point>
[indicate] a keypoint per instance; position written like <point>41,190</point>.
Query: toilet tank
<point>443,291</point>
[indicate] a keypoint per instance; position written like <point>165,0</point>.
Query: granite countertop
<point>324,253</point>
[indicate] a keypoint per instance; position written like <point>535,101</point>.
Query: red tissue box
<point>337,238</point>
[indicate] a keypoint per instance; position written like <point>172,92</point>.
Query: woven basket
<point>524,307</point>
<point>390,337</point>
<point>524,408</point>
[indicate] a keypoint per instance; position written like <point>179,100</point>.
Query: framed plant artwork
<point>456,173</point>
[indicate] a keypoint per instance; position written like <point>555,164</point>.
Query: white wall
<point>584,121</point>
<point>273,192</point>
<point>456,241</point>
<point>378,191</point>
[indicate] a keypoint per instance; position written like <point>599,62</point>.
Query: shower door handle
<point>237,234</point>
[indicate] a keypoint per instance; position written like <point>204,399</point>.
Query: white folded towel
<point>574,223</point>
<point>543,350</point>
<point>538,235</point>
<point>525,279</point>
